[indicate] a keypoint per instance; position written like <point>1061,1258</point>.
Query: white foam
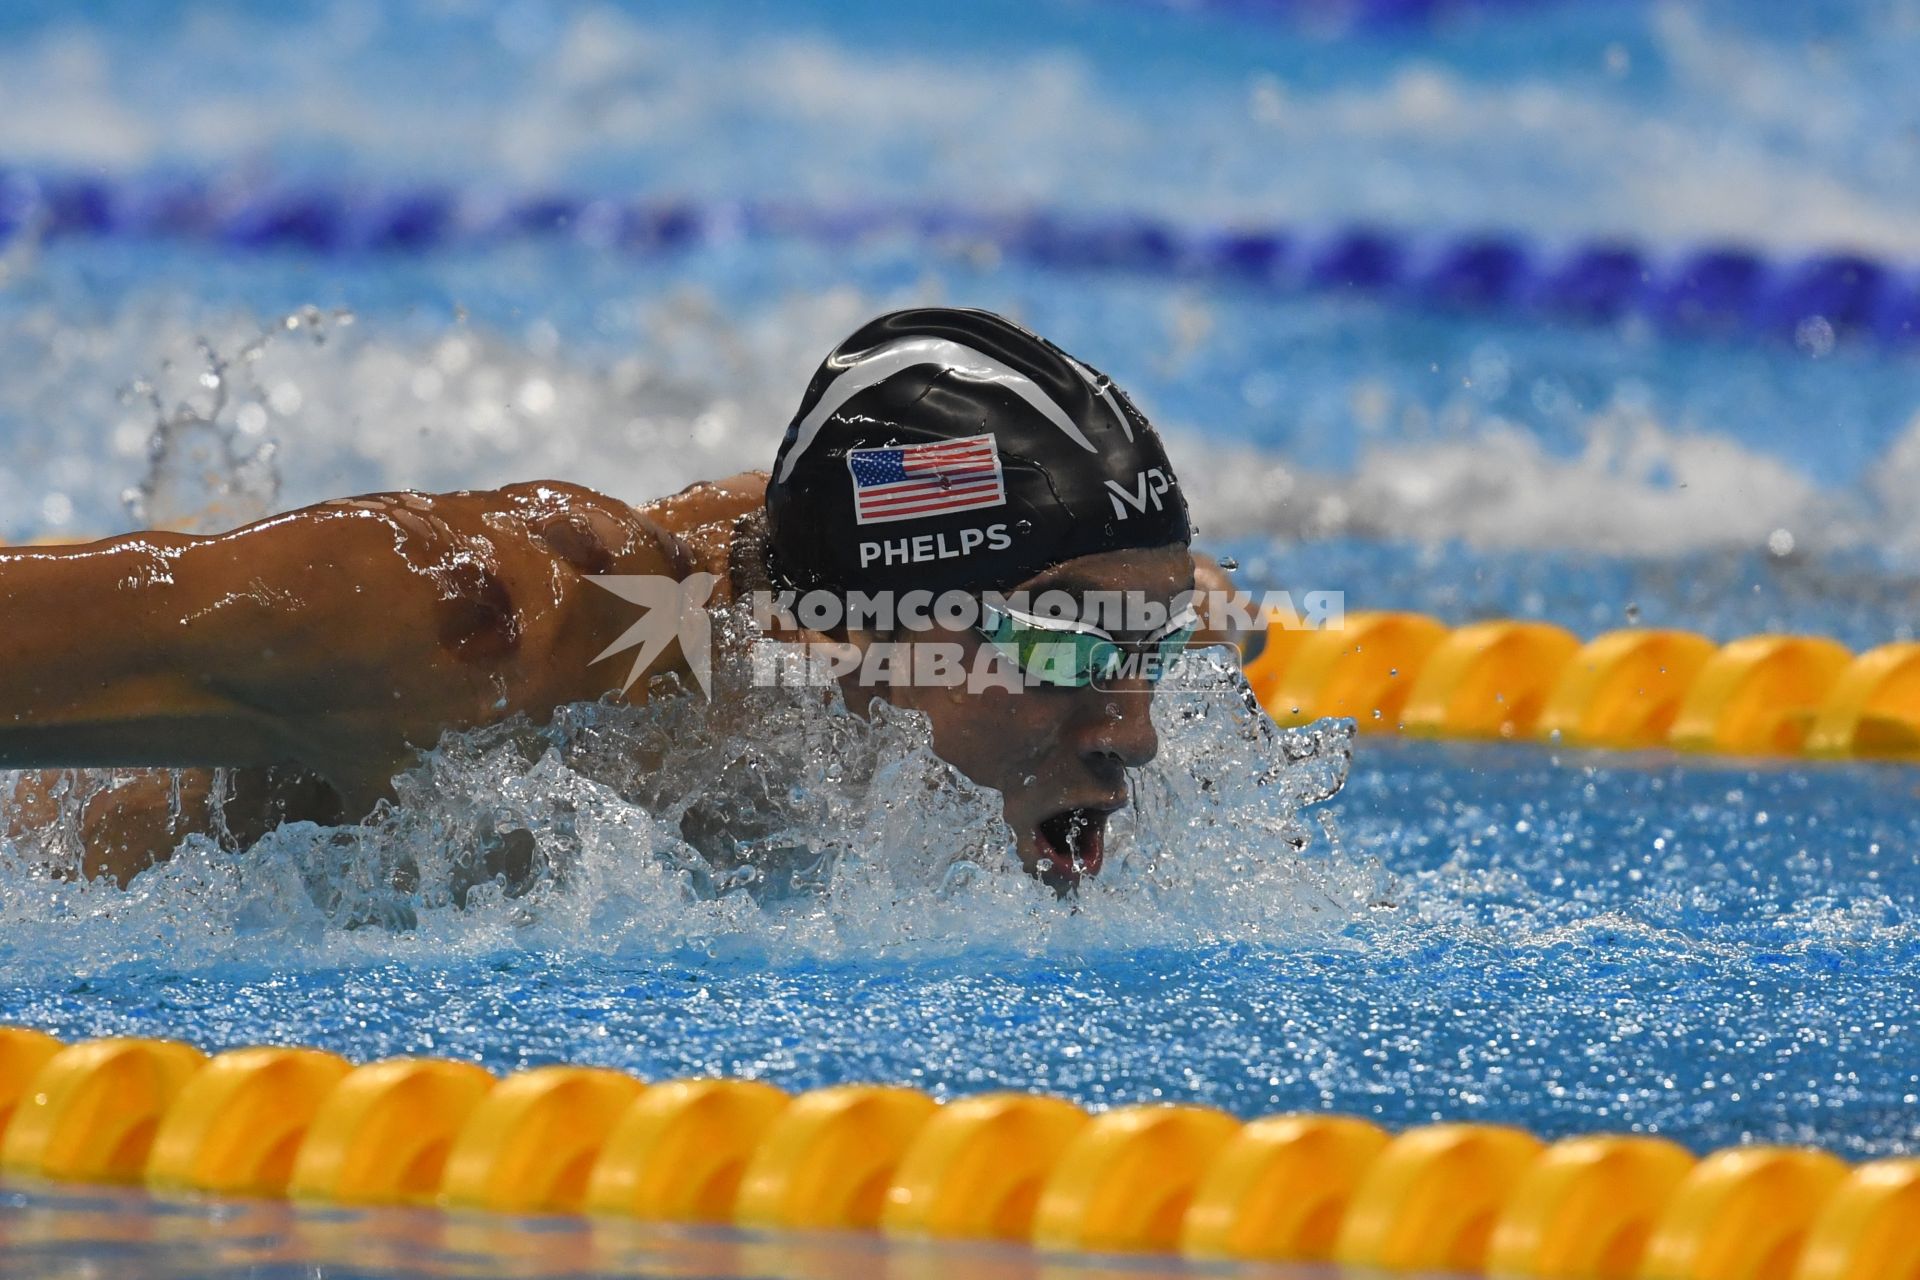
<point>357,408</point>
<point>1726,136</point>
<point>866,844</point>
<point>1635,487</point>
<point>1894,482</point>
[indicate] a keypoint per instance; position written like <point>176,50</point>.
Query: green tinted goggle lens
<point>1072,656</point>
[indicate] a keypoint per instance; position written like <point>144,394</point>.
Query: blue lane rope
<point>1714,289</point>
<point>1340,16</point>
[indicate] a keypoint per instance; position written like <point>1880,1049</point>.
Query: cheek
<point>992,736</point>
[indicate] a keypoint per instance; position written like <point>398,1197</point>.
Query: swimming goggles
<point>1073,655</point>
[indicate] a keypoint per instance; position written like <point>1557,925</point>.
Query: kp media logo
<point>1102,639</point>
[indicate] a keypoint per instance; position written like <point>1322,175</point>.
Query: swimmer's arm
<point>336,636</point>
<point>91,657</point>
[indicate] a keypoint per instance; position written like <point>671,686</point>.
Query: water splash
<point>770,820</point>
<point>210,464</point>
<point>705,381</point>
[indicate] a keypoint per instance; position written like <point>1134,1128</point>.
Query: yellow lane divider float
<point>1634,688</point>
<point>1453,1198</point>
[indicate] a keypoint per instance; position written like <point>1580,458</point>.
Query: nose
<point>1121,735</point>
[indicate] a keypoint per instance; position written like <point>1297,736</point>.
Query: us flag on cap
<point>915,480</point>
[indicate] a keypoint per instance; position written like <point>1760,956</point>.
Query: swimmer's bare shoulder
<point>338,637</point>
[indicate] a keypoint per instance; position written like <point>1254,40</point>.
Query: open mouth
<point>1072,844</point>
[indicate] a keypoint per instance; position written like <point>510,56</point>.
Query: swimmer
<point>313,654</point>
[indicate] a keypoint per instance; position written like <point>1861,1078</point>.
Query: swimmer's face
<point>1058,755</point>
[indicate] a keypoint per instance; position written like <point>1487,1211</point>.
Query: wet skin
<point>314,653</point>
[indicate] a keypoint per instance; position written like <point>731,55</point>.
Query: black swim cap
<point>943,448</point>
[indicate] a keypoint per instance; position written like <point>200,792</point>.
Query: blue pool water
<point>1576,944</point>
<point>1718,951</point>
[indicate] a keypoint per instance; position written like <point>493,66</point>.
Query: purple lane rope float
<point>1713,289</point>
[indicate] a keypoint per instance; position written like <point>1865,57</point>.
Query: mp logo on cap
<point>1148,486</point>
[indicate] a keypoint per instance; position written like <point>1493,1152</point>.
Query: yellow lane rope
<point>1634,688</point>
<point>1459,1198</point>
